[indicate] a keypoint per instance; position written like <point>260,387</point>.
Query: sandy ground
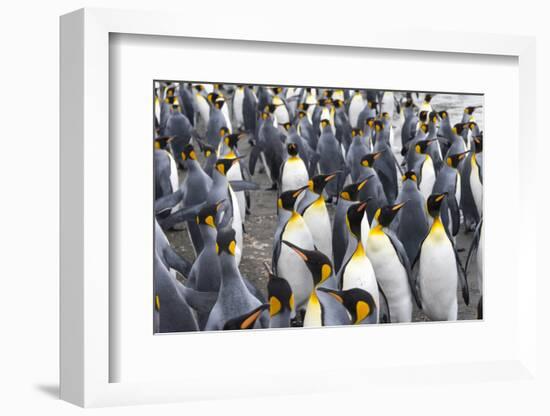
<point>261,223</point>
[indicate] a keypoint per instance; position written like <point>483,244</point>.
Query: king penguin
<point>359,303</point>
<point>391,264</point>
<point>357,270</point>
<point>476,174</point>
<point>294,173</point>
<point>245,321</point>
<point>234,298</point>
<point>281,301</point>
<point>322,309</point>
<point>425,169</point>
<point>439,269</point>
<point>286,263</point>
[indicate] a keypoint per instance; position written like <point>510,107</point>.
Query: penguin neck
<point>284,216</point>
<point>230,272</point>
<point>192,165</point>
<point>208,234</point>
<point>359,250</point>
<point>219,179</point>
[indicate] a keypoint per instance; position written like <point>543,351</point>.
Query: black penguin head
<point>470,110</point>
<point>223,165</point>
<point>423,116</point>
<point>356,133</point>
<point>225,241</point>
<point>189,152</point>
<point>317,183</point>
<point>328,93</point>
<point>245,321</point>
<point>287,199</point>
<point>378,126</point>
<point>338,103</point>
<point>459,128</point>
<point>162,141</point>
<point>428,98</point>
<point>323,102</point>
<point>368,160</point>
<point>351,191</point>
<point>443,114</point>
<point>422,146</point>
<point>354,216</point>
<point>207,214</point>
<point>370,122</point>
<point>224,131</point>
<point>280,295</point>
<point>318,264</point>
<point>386,116</point>
<point>270,108</point>
<point>478,143</point>
<point>454,160</point>
<point>287,126</point>
<point>358,302</point>
<point>409,102</point>
<point>372,104</point>
<point>409,176</point>
<point>198,87</point>
<point>325,123</point>
<point>433,117</point>
<point>207,149</point>
<point>434,204</point>
<point>212,97</point>
<point>302,113</point>
<point>277,90</point>
<point>231,140</point>
<point>386,214</point>
<point>292,149</point>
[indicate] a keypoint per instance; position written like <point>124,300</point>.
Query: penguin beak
<point>331,176</point>
<point>297,250</point>
<point>397,207</point>
<point>364,182</point>
<point>334,293</point>
<point>299,191</point>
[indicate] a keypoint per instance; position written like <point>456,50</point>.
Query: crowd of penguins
<point>398,200</point>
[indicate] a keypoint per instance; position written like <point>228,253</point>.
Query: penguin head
<point>292,149</point>
<point>470,110</point>
<point>356,133</point>
<point>409,102</point>
<point>189,152</point>
<point>323,102</point>
<point>224,131</point>
<point>459,128</point>
<point>225,241</point>
<point>454,160</point>
<point>369,122</point>
<point>245,321</point>
<point>207,149</point>
<point>478,143</point>
<point>302,113</point>
<point>354,216</point>
<point>162,141</point>
<point>386,115</point>
<point>372,104</point>
<point>317,183</point>
<point>434,204</point>
<point>318,264</point>
<point>378,126</point>
<point>443,114</point>
<point>423,116</point>
<point>358,302</point>
<point>270,108</point>
<point>207,214</point>
<point>422,146</point>
<point>324,123</point>
<point>280,295</point>
<point>386,214</point>
<point>351,191</point>
<point>212,97</point>
<point>368,160</point>
<point>231,140</point>
<point>409,176</point>
<point>287,199</point>
<point>198,87</point>
<point>328,93</point>
<point>433,117</point>
<point>287,126</point>
<point>277,90</point>
<point>223,165</point>
<point>338,103</point>
<point>428,98</point>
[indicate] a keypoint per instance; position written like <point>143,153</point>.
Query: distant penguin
<point>439,270</point>
<point>316,215</point>
<point>236,171</point>
<point>180,128</point>
<point>286,263</point>
<point>238,107</point>
<point>322,309</point>
<point>294,173</point>
<point>281,110</point>
<point>357,150</point>
<point>357,270</point>
<point>331,158</point>
<point>201,104</point>
<point>412,222</point>
<point>250,103</point>
<point>386,165</point>
<point>234,298</point>
<point>425,169</point>
<point>391,264</point>
<point>476,174</point>
<point>216,120</point>
<point>166,171</point>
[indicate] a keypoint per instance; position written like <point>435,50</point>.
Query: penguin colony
<point>370,190</point>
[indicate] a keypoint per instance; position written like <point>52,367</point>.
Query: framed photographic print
<point>283,207</point>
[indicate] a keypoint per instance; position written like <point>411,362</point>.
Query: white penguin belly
<point>294,174</point>
<point>477,187</point>
<point>391,276</point>
<point>281,114</point>
<point>313,317</point>
<point>225,112</point>
<point>237,225</point>
<point>359,273</point>
<point>238,107</point>
<point>203,108</point>
<point>438,277</point>
<point>235,174</point>
<point>355,107</point>
<point>318,222</point>
<point>428,178</point>
<point>290,266</point>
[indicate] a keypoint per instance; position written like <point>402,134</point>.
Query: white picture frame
<point>86,264</point>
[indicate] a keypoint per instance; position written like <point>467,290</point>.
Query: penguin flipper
<point>175,261</point>
<point>253,159</point>
<point>473,246</point>
<point>168,201</point>
<point>462,278</point>
<point>202,302</point>
<point>404,259</point>
<point>240,185</point>
<point>315,157</point>
<point>182,215</point>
